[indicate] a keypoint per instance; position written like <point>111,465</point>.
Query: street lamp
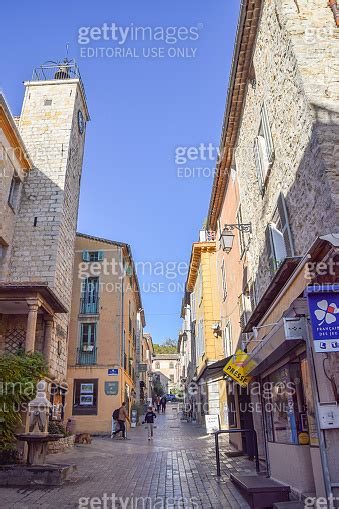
<point>227,235</point>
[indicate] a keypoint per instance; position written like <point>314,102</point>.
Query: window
<point>228,339</point>
<point>129,318</point>
<point>92,256</point>
<point>14,192</point>
<point>200,340</point>
<point>85,397</point>
<point>253,295</point>
<point>90,296</point>
<point>192,298</point>
<point>199,286</point>
<point>285,409</point>
<point>88,333</point>
<point>157,365</point>
<point>171,365</point>
<point>223,280</point>
<point>279,243</point>
<point>263,149</point>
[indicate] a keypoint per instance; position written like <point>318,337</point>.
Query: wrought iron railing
<point>86,357</point>
<point>65,70</point>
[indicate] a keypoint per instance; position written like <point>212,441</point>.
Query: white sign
<point>212,423</point>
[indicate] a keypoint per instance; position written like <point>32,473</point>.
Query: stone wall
<point>295,78</point>
<point>61,445</point>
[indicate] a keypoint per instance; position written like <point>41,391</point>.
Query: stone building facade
<point>37,262</point>
<point>280,143</point>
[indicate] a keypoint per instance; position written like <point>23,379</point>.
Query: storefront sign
<point>238,368</point>
<point>324,313</point>
<point>142,368</point>
<point>111,388</point>
<point>212,423</point>
<point>113,371</point>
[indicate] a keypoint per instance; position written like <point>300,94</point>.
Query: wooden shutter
<point>267,134</point>
<point>270,250</point>
<point>285,227</point>
<point>85,256</point>
<point>258,164</point>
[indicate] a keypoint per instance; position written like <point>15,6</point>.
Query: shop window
<point>284,404</point>
<point>85,397</point>
<point>279,243</point>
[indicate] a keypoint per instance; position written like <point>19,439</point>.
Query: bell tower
<point>52,124</point>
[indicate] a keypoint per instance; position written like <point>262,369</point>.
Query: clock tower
<point>53,125</point>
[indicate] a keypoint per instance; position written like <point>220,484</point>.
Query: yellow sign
<point>304,438</point>
<point>238,367</point>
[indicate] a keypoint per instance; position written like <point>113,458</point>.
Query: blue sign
<point>323,304</point>
<point>113,371</point>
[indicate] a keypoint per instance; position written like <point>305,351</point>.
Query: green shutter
<point>85,256</point>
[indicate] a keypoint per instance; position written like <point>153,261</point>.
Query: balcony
<point>207,236</point>
<point>88,306</point>
<point>87,355</point>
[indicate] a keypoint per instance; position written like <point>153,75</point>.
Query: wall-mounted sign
<point>86,388</point>
<point>212,423</point>
<point>142,368</point>
<point>113,371</point>
<point>324,314</point>
<point>238,367</point>
<point>111,388</point>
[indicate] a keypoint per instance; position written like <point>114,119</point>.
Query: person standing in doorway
<point>163,404</point>
<point>122,417</point>
<point>149,420</point>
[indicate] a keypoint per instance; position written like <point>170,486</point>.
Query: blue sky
<point>142,109</point>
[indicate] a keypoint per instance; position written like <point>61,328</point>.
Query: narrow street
<point>176,469</point>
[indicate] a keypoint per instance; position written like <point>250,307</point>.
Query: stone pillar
<point>49,324</point>
<point>33,307</point>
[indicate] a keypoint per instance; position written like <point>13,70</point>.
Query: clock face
<point>81,122</point>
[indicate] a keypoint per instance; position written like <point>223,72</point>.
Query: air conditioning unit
<point>295,328</point>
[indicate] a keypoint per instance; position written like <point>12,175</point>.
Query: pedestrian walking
<point>158,403</point>
<point>122,417</point>
<point>149,420</point>
<point>163,404</point>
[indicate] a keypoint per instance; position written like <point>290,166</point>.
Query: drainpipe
<point>334,6</point>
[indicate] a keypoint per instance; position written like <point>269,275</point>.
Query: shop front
<point>290,380</point>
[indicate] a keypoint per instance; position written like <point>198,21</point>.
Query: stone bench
<point>260,492</point>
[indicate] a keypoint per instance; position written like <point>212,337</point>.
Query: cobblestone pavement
<point>176,469</point>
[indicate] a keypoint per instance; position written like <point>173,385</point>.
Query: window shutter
<point>278,244</point>
<point>267,134</point>
<point>81,333</point>
<point>285,227</point>
<point>258,165</point>
<point>85,256</point>
<point>100,256</point>
<point>270,250</point>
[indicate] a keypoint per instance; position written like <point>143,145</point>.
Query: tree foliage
<point>168,346</point>
<point>19,375</point>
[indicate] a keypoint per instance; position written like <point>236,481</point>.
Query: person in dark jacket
<point>149,420</point>
<point>163,404</point>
